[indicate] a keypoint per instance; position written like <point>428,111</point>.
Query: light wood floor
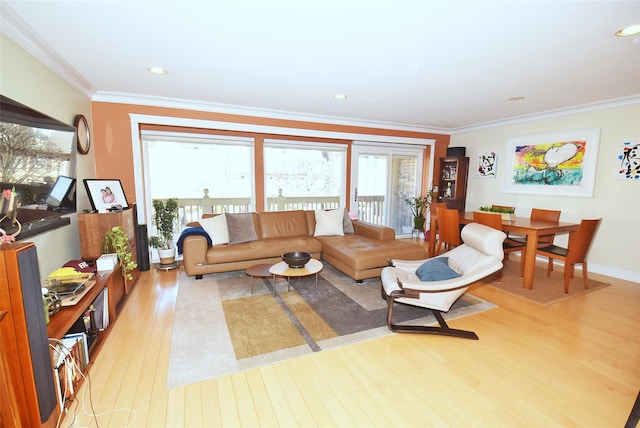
<point>572,364</point>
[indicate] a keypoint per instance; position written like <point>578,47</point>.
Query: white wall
<point>27,81</point>
<point>615,251</point>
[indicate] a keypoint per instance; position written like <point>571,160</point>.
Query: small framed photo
<point>106,195</point>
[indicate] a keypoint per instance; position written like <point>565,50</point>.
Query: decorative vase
<point>418,223</point>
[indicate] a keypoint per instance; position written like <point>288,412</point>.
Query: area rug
<point>220,328</point>
<point>546,291</point>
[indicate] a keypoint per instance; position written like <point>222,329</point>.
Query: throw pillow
<point>216,228</point>
<point>329,223</point>
<point>347,224</point>
<point>436,269</point>
<point>241,228</point>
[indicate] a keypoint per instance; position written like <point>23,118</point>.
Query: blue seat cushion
<point>436,269</point>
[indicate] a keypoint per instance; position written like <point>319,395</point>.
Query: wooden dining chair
<point>576,252</point>
<point>544,215</point>
<point>448,228</point>
<point>494,220</point>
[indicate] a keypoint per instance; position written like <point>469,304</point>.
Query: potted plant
<point>116,241</point>
<point>164,215</point>
<point>506,212</point>
<point>419,206</point>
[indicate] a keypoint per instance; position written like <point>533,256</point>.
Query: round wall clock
<point>83,135</point>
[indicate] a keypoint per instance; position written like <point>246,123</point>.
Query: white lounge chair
<point>479,256</point>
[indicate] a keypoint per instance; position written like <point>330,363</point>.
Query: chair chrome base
<point>442,330</point>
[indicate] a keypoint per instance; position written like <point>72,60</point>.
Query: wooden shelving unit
<point>452,185</point>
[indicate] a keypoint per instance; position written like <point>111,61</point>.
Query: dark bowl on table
<point>296,259</point>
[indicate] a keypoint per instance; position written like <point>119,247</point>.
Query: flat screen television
<point>62,196</point>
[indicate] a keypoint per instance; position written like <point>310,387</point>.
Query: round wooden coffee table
<point>312,267</point>
<point>260,271</point>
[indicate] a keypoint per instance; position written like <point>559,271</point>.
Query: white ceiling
<point>438,65</point>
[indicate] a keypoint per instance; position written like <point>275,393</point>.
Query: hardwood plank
<point>264,409</point>
<point>573,363</point>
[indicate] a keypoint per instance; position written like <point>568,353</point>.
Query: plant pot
<point>418,223</point>
<point>507,216</point>
<point>167,258</point>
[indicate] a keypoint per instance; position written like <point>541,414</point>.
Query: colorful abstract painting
<point>562,163</point>
<point>629,161</point>
<point>553,164</point>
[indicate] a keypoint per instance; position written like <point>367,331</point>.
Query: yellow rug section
<point>311,321</point>
<point>258,325</point>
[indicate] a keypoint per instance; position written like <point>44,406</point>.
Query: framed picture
<point>487,164</point>
<point>105,194</point>
<point>557,164</point>
<point>628,161</point>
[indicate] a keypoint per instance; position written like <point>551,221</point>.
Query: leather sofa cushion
<point>261,249</point>
<point>363,253</point>
<point>281,225</point>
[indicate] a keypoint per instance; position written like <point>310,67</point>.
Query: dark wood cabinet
<point>452,185</point>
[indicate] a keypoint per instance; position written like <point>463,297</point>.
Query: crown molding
<point>18,31</point>
<point>177,103</point>
<point>600,105</point>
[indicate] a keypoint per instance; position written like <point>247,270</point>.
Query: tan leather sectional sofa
<point>360,255</point>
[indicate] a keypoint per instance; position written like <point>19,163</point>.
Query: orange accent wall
<point>114,155</point>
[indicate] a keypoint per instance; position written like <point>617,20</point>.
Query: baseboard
<point>605,270</point>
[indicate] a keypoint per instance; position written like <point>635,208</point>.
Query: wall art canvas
<point>557,164</point>
<point>629,161</point>
<point>487,164</point>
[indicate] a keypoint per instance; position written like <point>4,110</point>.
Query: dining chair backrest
<point>546,215</point>
<point>490,219</point>
<point>448,226</point>
<point>580,242</point>
<point>576,252</point>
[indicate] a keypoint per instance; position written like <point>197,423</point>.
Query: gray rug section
<point>201,348</point>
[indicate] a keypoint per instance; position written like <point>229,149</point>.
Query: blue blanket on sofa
<point>192,231</point>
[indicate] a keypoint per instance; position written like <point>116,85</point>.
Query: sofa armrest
<point>194,252</point>
<point>381,233</point>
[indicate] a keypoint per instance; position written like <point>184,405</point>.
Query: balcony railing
<point>370,208</point>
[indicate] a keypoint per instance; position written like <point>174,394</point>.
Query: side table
<point>260,271</point>
<point>312,267</point>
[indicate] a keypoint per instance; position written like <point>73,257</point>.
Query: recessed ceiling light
<point>340,97</point>
<point>518,98</point>
<point>629,30</point>
<point>156,70</point>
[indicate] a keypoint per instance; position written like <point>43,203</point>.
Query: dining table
<point>518,225</point>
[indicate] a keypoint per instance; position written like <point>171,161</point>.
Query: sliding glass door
<point>382,177</point>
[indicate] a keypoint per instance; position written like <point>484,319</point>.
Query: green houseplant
<point>164,215</point>
<point>506,212</point>
<point>116,241</point>
<point>419,206</point>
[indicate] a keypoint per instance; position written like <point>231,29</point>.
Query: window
<point>206,173</point>
<point>304,176</point>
